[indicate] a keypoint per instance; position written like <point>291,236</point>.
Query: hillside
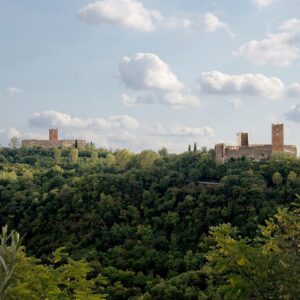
<point>143,220</point>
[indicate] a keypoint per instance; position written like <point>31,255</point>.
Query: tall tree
<point>14,143</point>
<point>57,156</point>
<point>74,155</point>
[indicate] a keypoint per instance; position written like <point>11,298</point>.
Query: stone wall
<point>256,152</point>
<point>290,149</point>
<point>54,144</point>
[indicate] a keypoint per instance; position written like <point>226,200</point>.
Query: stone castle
<point>54,142</point>
<point>255,152</point>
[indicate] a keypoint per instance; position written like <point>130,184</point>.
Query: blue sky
<point>148,74</point>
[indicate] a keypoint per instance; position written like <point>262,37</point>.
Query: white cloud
<point>263,3</point>
<point>279,50</point>
<point>7,134</point>
<point>248,84</point>
<point>179,130</point>
<point>294,114</point>
<point>48,119</point>
<point>293,90</point>
<point>208,23</point>
<point>123,122</point>
<point>212,23</point>
<point>236,103</point>
<point>147,73</point>
<point>124,13</point>
<point>292,25</point>
<point>132,14</point>
<point>116,132</point>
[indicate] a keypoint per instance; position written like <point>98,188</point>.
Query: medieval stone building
<point>255,152</point>
<point>54,142</point>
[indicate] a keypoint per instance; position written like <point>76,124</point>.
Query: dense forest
<point>100,224</point>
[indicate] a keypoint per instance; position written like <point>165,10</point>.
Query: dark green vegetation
<point>149,226</point>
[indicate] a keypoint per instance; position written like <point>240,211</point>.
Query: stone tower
<point>243,139</point>
<point>277,138</point>
<point>53,135</point>
<point>220,153</point>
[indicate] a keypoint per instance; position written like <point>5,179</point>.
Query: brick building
<point>54,142</point>
<point>256,152</point>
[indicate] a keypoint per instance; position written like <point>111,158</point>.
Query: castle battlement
<point>255,151</point>
<point>54,142</point>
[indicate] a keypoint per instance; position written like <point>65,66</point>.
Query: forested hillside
<point>150,224</point>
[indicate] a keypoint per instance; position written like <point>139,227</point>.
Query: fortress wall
<point>256,152</point>
<point>54,144</point>
<point>291,149</point>
<point>39,143</point>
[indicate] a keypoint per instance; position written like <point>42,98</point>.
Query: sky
<point>143,74</point>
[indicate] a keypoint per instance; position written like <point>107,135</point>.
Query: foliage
<point>264,268</point>
<point>142,220</point>
<point>23,277</point>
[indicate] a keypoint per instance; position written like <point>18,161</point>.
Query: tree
<point>267,267</point>
<point>94,156</point>
<point>57,156</point>
<point>25,278</point>
<point>76,144</point>
<point>110,159</point>
<point>163,152</point>
<point>122,157</point>
<point>14,143</point>
<point>147,157</point>
<point>195,147</point>
<point>190,148</point>
<point>292,177</point>
<point>10,248</point>
<point>277,178</point>
<point>74,155</point>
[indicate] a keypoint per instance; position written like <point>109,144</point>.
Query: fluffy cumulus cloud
<point>58,119</point>
<point>124,13</point>
<point>146,71</point>
<point>7,134</point>
<point>280,49</point>
<point>212,23</point>
<point>132,14</point>
<point>117,132</point>
<point>248,84</point>
<point>147,74</point>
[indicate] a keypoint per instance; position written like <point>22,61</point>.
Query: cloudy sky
<point>146,74</point>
